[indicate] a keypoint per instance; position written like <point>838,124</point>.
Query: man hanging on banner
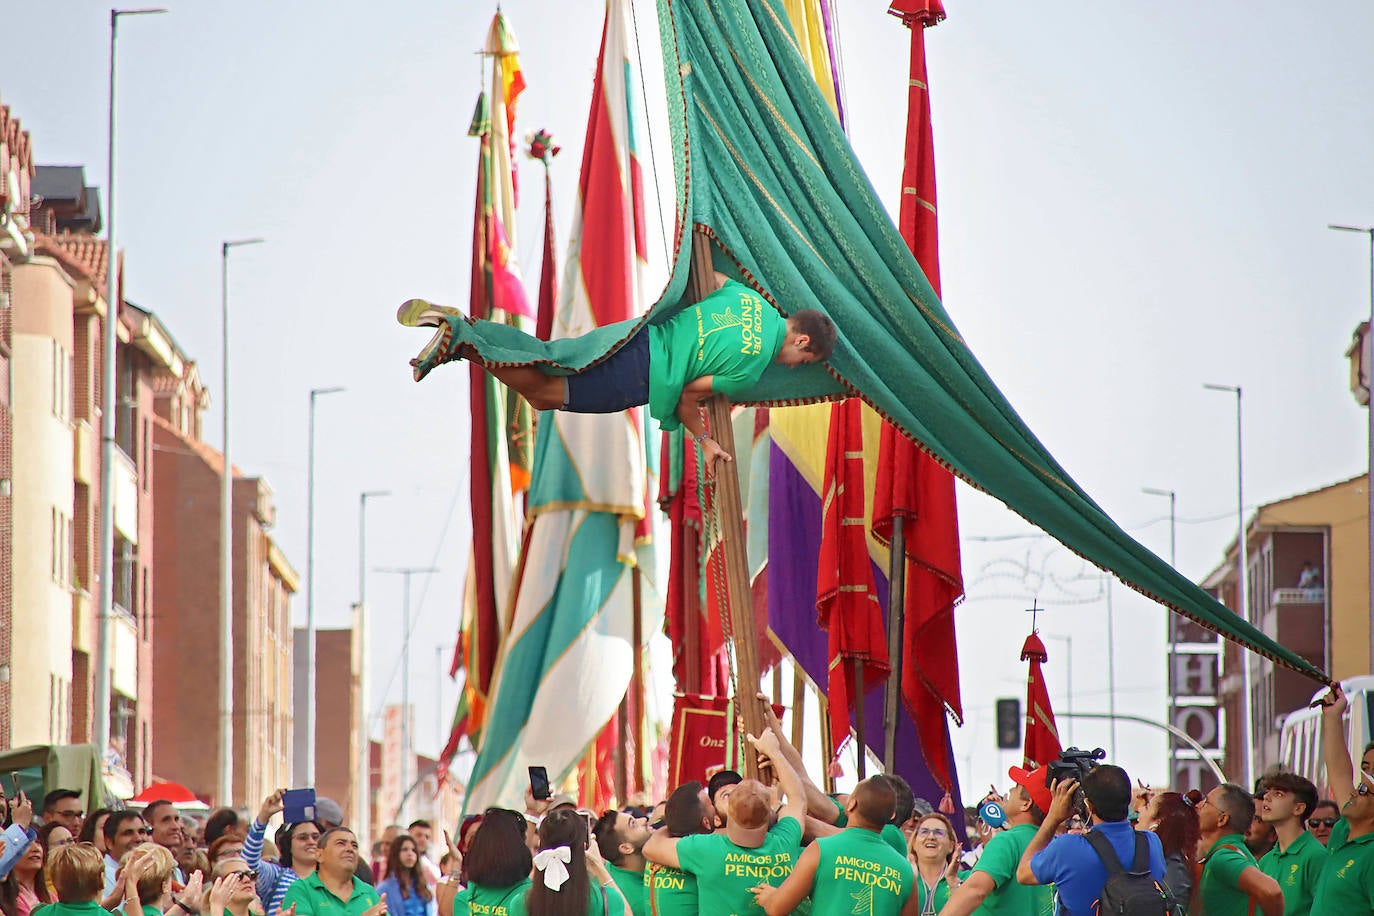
<point>720,345</point>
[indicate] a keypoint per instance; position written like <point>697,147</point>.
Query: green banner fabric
<point>764,169</point>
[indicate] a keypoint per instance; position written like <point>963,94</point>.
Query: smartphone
<point>298,805</point>
<point>539,783</point>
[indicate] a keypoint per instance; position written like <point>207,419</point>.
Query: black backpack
<point>1134,892</point>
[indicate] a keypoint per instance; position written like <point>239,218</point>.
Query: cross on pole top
<point>1034,610</point>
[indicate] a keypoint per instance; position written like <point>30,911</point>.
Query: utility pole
<point>1173,655</point>
<point>406,572</point>
<point>363,817</point>
<point>308,776</point>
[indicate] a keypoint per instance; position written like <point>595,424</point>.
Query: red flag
<point>700,727</point>
<point>911,485</point>
<point>1042,735</point>
<point>544,149</point>
<point>846,596</point>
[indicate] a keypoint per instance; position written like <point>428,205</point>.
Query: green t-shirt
<point>942,893</point>
<point>859,873</point>
<point>1218,890</point>
<point>726,872</point>
<point>891,832</point>
<point>631,885</point>
<point>480,900</point>
<point>1296,869</point>
<point>1010,897</point>
<point>311,898</point>
<point>1346,887</point>
<point>670,892</point>
<point>731,335</point>
<point>89,908</point>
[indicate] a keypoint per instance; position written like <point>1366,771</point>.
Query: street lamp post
<point>225,786</point>
<point>1173,561</point>
<point>1369,381</point>
<point>1242,588</point>
<point>405,572</point>
<point>309,723</point>
<point>362,817</point>
<point>100,718</point>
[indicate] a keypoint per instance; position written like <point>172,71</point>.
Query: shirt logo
<point>1348,863</point>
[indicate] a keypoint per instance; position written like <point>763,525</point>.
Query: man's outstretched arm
<point>689,412</point>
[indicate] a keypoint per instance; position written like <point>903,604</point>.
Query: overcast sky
<point>1133,201</point>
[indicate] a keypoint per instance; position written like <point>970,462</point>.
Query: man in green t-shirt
<point>852,871</point>
<point>1297,858</point>
<point>332,889</point>
<point>991,889</point>
<point>620,838</point>
<point>1346,885</point>
<point>728,866</point>
<point>1231,879</point>
<point>719,345</point>
<point>671,891</point>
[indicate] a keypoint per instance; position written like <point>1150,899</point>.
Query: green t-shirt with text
<point>1218,890</point>
<point>480,900</point>
<point>1296,869</point>
<point>726,872</point>
<point>731,335</point>
<point>1346,886</point>
<point>859,873</point>
<point>1009,897</point>
<point>670,892</point>
<point>631,886</point>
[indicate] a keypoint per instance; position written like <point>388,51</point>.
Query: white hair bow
<point>554,864</point>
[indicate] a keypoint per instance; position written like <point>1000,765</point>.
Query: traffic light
<point>1008,724</point>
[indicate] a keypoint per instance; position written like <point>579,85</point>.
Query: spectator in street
<point>1077,865</point>
<point>405,890</point>
<point>1346,886</point>
<point>1297,858</point>
<point>423,834</point>
<point>226,847</point>
<point>333,889</point>
<point>19,835</point>
<point>856,864</point>
<point>620,837</point>
<point>233,880</point>
<point>1324,817</point>
<point>1231,881</point>
<point>570,879</point>
<point>123,831</point>
<point>992,884</point>
<point>25,888</point>
<point>298,846</point>
<point>162,816</point>
<point>934,852</point>
<point>330,815</point>
<point>78,874</point>
<point>671,891</point>
<point>224,822</point>
<point>93,829</point>
<point>388,836</point>
<point>718,789</point>
<point>147,879</point>
<point>498,864</point>
<point>1173,818</point>
<point>63,806</point>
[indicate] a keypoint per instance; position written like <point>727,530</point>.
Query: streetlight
<point>1369,381</point>
<point>362,815</point>
<point>1173,561</point>
<point>105,610</point>
<point>225,788</point>
<point>406,754</point>
<point>309,725</point>
<point>1242,587</point>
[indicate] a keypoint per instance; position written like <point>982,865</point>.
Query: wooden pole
<point>798,705</point>
<point>859,734</point>
<point>826,744</point>
<point>636,781</point>
<point>622,721</point>
<point>896,610</point>
<point>730,517</point>
<point>691,612</point>
<point>777,684</point>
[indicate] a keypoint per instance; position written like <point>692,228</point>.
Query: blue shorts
<point>617,383</point>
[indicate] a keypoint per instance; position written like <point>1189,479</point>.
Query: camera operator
<point>1076,865</point>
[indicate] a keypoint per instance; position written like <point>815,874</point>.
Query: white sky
<point>1133,201</point>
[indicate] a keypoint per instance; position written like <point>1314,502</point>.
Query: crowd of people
<point>1087,843</point>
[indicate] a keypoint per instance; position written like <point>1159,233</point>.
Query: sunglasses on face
<point>1327,822</point>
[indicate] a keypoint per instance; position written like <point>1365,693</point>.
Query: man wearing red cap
<point>991,888</point>
<point>1074,864</point>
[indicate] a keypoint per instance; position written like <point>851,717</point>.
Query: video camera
<point>1073,764</point>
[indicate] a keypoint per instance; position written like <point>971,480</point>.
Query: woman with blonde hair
<point>934,852</point>
<point>234,891</point>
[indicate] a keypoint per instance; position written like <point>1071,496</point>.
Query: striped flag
<point>568,658</point>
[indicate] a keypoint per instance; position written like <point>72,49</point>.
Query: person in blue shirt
<point>405,890</point>
<point>16,838</point>
<point>1070,862</point>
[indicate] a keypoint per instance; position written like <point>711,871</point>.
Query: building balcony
<point>125,480</point>
<point>84,446</point>
<point>125,639</point>
<point>1291,596</point>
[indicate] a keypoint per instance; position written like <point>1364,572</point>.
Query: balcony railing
<point>1299,596</point>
